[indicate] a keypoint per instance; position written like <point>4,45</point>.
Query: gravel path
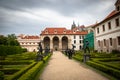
<point>62,68</point>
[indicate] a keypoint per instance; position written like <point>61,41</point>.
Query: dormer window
<point>118,8</point>
<point>74,31</point>
<point>64,31</point>
<point>55,31</point>
<point>46,31</point>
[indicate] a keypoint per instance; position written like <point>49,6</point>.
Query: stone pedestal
<point>86,57</point>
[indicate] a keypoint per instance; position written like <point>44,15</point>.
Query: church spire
<point>73,25</point>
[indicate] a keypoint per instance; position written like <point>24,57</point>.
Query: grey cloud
<point>9,22</point>
<point>65,7</point>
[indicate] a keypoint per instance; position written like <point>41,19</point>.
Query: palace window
<point>117,22</point>
<point>118,40</point>
<point>118,8</point>
<point>74,41</point>
<point>98,30</point>
<point>79,37</point>
<point>99,43</point>
<point>80,47</point>
<point>109,25</point>
<point>83,37</point>
<point>103,26</point>
<point>80,41</point>
<point>74,37</point>
<point>104,42</point>
<point>110,41</point>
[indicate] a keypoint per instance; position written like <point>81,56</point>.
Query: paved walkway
<point>62,68</point>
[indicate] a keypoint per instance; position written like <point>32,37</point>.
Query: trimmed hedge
<point>1,75</point>
<point>106,69</point>
<point>21,72</point>
<point>30,75</point>
<point>109,65</point>
<point>32,72</point>
<point>9,71</point>
<point>8,50</point>
<point>78,58</point>
<point>14,62</point>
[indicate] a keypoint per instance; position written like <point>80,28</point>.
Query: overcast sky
<point>33,16</point>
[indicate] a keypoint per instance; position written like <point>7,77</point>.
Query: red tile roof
<point>111,15</point>
<point>31,37</point>
<point>60,31</point>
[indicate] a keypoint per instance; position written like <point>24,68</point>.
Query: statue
<point>40,48</point>
<point>39,53</point>
<point>46,51</point>
<point>86,48</point>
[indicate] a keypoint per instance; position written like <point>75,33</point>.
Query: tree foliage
<point>9,40</point>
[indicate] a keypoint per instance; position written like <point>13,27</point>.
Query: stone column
<point>69,43</point>
<point>60,45</point>
<point>51,44</point>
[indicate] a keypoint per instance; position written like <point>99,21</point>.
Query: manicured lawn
<point>105,62</point>
<point>14,66</point>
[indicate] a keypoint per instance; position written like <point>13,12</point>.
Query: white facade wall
<point>76,41</point>
<point>113,33</point>
<point>29,44</point>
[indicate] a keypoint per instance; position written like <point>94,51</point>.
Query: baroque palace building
<point>107,32</point>
<point>30,42</point>
<point>62,38</point>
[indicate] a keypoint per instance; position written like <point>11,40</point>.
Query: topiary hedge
<point>1,75</point>
<point>21,72</point>
<point>9,71</point>
<point>30,75</point>
<point>14,62</point>
<point>106,69</point>
<point>8,50</point>
<point>109,65</point>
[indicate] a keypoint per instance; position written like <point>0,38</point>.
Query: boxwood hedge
<point>30,75</point>
<point>21,72</point>
<point>9,71</point>
<point>106,69</point>
<point>14,62</point>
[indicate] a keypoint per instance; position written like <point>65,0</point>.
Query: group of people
<point>70,52</point>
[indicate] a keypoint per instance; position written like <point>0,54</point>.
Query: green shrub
<point>30,75</point>
<point>14,62</point>
<point>8,50</point>
<point>1,75</point>
<point>115,51</point>
<point>1,66</point>
<point>21,72</point>
<point>9,71</point>
<point>24,50</point>
<point>108,70</point>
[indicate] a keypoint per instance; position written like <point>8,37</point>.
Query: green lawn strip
<point>31,73</point>
<point>14,66</point>
<point>106,69</point>
<point>14,62</point>
<point>9,71</point>
<point>101,61</point>
<point>80,59</point>
<point>42,69</point>
<point>21,72</point>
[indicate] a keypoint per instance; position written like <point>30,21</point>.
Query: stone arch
<point>46,42</point>
<point>55,43</point>
<point>64,43</point>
